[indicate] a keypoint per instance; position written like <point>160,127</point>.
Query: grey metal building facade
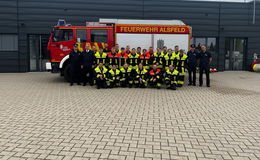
<point>226,28</point>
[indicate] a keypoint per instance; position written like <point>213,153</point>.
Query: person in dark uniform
<point>74,58</point>
<point>193,56</point>
<point>87,64</point>
<point>106,48</point>
<point>204,64</point>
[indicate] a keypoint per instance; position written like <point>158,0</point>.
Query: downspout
<point>18,31</point>
<point>254,12</point>
<point>219,6</point>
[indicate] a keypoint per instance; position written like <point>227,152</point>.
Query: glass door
<point>236,49</point>
<point>38,52</point>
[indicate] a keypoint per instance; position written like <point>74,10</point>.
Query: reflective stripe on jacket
<point>100,57</point>
<point>100,72</point>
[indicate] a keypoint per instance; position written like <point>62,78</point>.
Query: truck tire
<point>66,73</point>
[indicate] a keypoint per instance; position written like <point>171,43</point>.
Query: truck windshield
<point>62,35</point>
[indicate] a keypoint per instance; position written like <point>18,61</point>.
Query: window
<point>210,42</point>
<point>62,35</point>
<point>81,33</point>
<point>8,42</point>
<point>200,41</point>
<point>98,35</point>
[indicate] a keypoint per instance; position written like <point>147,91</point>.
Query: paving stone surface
<point>42,117</point>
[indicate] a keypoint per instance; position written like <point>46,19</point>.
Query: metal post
<point>254,13</point>
<point>218,44</point>
<point>40,52</point>
<point>143,9</point>
<point>18,32</point>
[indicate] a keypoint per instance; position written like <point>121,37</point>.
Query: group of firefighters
<point>125,67</point>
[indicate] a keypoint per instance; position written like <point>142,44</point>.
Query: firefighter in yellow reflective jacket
<point>113,77</point>
<point>181,65</point>
<point>171,77</point>
<point>133,59</point>
<point>158,58</point>
<point>169,59</point>
<point>164,50</point>
<point>100,56</point>
<point>176,50</point>
<point>100,74</point>
<point>141,76</point>
<point>127,75</point>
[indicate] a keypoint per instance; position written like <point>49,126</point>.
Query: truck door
<point>62,43</point>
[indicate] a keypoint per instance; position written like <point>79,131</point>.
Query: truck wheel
<point>66,73</point>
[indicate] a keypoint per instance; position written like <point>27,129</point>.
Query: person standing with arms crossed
<point>205,59</point>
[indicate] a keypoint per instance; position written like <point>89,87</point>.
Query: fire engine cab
<point>136,33</point>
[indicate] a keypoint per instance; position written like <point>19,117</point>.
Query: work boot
<point>179,85</point>
<point>173,88</point>
<point>168,87</point>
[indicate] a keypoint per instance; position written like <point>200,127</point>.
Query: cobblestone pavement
<point>42,117</point>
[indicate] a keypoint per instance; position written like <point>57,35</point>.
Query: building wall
<point>208,19</point>
<point>9,60</point>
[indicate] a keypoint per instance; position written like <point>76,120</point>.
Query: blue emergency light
<point>61,22</point>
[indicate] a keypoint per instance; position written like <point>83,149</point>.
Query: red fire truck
<point>136,33</point>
